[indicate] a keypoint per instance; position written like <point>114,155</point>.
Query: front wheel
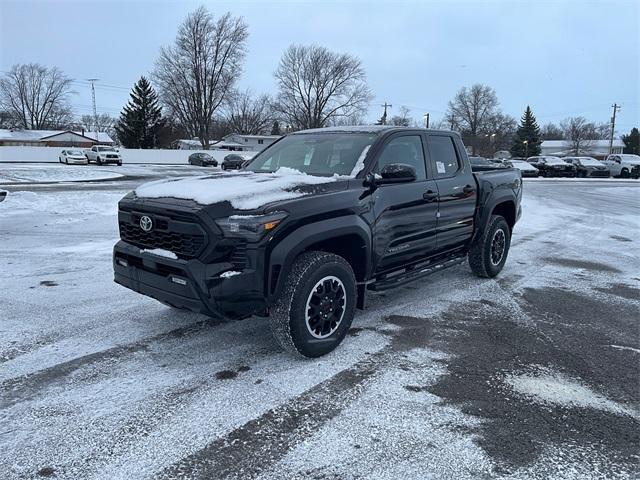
<point>624,173</point>
<point>98,161</point>
<point>488,254</point>
<point>316,305</point>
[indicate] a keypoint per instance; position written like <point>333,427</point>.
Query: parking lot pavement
<point>533,374</point>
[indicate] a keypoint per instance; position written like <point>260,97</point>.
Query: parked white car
<point>526,169</point>
<point>103,154</point>
<point>621,164</point>
<point>72,157</point>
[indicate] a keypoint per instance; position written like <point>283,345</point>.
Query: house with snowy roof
<point>53,138</point>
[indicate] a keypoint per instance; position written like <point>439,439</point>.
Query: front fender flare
<point>285,252</point>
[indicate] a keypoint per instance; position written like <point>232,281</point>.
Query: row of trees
<point>195,96</point>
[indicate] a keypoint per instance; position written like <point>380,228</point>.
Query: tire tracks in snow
<point>249,450</point>
<point>19,389</point>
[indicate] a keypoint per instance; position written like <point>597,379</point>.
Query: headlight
<point>252,227</point>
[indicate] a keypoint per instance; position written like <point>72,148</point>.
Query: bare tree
<point>579,133</point>
<point>248,114</point>
<point>317,86</point>
<point>195,75</point>
<point>36,95</point>
<point>403,119</point>
<point>551,131</point>
<point>471,110</point>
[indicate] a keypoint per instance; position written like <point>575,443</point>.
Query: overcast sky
<point>564,58</point>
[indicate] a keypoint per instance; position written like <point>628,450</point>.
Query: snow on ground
<point>244,190</point>
<point>544,385</point>
<point>438,379</point>
<point>13,174</point>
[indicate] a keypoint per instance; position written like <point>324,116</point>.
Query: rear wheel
<point>316,306</point>
<point>488,254</point>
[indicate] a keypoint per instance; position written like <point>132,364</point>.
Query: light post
<point>526,148</point>
<point>426,120</point>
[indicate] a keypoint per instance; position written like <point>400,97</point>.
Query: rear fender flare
<point>485,211</point>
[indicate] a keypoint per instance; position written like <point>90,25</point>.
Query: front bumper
<point>598,173</point>
<point>561,173</point>
<point>77,161</point>
<point>190,284</point>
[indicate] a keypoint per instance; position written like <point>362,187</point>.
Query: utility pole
<point>615,107</point>
<point>93,95</point>
<point>384,115</point>
<point>426,120</point>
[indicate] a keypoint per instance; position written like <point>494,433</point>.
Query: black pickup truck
<point>315,221</point>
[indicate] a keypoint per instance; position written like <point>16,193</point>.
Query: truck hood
<point>242,190</point>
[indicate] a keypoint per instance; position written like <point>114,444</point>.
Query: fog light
<point>122,262</point>
<point>179,281</point>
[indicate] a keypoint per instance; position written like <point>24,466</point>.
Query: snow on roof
<point>244,190</point>
<point>38,135</point>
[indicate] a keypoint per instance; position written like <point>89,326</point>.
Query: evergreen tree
<point>141,119</point>
<point>275,130</point>
<point>632,142</point>
<point>529,132</point>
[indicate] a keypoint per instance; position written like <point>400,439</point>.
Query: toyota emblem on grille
<point>146,223</point>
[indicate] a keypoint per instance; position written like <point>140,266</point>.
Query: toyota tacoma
<point>312,224</point>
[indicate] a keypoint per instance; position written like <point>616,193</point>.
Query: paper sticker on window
<point>440,167</point>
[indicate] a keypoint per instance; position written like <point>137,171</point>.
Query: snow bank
<point>244,190</point>
<point>53,173</point>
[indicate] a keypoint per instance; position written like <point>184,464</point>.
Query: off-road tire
<point>480,259</point>
<point>288,314</point>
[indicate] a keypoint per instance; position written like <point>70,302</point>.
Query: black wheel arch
<point>346,236</point>
<point>503,205</point>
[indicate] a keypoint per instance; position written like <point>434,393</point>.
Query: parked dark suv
<point>233,161</point>
<point>315,221</point>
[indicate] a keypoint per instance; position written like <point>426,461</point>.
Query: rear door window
<point>445,157</point>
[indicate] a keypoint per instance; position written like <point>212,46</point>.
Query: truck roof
<point>364,129</point>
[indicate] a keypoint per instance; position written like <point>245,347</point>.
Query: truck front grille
<point>185,238</point>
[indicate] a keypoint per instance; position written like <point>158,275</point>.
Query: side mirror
<point>397,173</point>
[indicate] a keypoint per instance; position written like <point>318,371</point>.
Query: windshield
<point>74,152</point>
<point>589,161</point>
<point>316,154</point>
<point>554,161</point>
<point>106,149</point>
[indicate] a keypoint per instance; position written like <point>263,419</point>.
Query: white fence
<point>168,157</point>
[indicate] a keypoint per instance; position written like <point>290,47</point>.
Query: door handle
<point>430,195</point>
<point>468,189</point>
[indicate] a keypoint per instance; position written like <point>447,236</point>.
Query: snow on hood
<point>244,190</point>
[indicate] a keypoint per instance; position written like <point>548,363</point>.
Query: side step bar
<point>421,270</point>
